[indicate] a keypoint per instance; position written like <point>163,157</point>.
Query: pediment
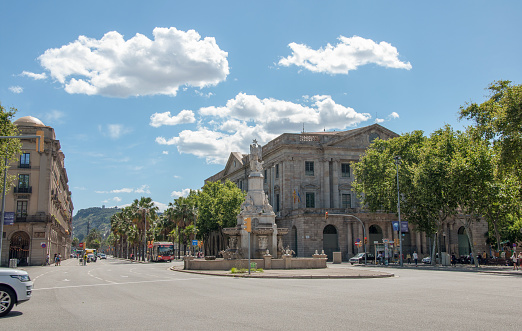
<point>361,138</point>
<point>235,162</point>
<point>310,187</point>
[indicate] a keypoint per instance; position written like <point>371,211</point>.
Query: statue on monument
<point>256,152</point>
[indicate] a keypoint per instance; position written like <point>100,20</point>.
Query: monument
<point>265,237</point>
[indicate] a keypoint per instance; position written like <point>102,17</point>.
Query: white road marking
<point>140,282</point>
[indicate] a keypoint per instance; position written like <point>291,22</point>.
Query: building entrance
<point>19,247</point>
<point>330,241</point>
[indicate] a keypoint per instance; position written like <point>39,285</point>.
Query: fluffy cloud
<point>33,75</point>
<point>16,89</point>
<point>114,67</point>
<point>183,193</point>
<point>231,128</point>
<point>388,118</point>
<point>348,54</point>
<point>184,116</point>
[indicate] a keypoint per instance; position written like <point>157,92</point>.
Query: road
<point>115,294</point>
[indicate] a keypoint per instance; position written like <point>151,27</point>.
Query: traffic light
<point>247,222</point>
<point>326,215</point>
<point>365,240</point>
<point>40,144</point>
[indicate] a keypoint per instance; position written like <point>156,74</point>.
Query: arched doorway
<point>294,238</point>
<point>375,235</point>
<point>330,241</point>
<point>464,248</point>
<point>406,243</point>
<point>19,247</point>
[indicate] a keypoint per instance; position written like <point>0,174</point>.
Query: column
<point>335,190</point>
<point>325,189</point>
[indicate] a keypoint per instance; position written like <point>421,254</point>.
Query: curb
<point>260,275</point>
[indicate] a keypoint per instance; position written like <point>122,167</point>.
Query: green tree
<point>218,207</point>
<point>499,119</point>
<point>9,148</point>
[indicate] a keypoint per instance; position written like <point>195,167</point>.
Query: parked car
<point>359,258</point>
<point>15,288</point>
<point>102,256</point>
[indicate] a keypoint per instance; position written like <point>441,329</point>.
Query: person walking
<point>408,257</point>
<point>515,260</point>
<point>453,260</point>
<point>519,259</point>
<point>415,257</point>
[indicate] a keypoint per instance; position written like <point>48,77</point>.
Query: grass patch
<point>244,270</point>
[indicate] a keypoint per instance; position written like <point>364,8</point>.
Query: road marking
<point>140,282</point>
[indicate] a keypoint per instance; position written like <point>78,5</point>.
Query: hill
<point>94,217</point>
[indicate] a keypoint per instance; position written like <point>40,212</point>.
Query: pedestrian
<point>515,260</point>
<point>453,260</point>
<point>59,258</point>
<point>519,259</point>
<point>408,257</point>
<point>415,258</point>
<point>55,259</point>
<point>47,262</point>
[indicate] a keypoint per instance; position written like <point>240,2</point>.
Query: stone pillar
<point>267,259</point>
<point>287,261</point>
<point>335,181</point>
<point>349,237</point>
<point>325,189</point>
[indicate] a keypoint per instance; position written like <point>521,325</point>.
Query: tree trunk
<point>467,226</point>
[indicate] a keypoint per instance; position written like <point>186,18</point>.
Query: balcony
<point>19,218</point>
<point>24,166</point>
<point>23,189</point>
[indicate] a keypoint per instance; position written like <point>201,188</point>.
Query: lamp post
<point>397,162</point>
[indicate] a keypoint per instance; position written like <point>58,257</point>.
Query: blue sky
<point>148,98</point>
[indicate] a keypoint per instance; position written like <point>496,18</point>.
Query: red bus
<point>162,251</point>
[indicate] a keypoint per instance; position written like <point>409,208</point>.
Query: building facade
<point>308,174</point>
<point>39,203</point>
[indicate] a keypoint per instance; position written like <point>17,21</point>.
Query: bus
<point>162,251</point>
<point>93,252</point>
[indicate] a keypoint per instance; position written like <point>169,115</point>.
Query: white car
<point>15,288</point>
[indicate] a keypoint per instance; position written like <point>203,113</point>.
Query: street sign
<point>149,246</point>
<point>43,245</point>
<point>8,218</point>
<point>81,245</point>
<point>385,241</point>
<point>357,240</point>
<point>194,242</point>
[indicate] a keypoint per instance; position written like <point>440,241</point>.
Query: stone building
<point>308,174</point>
<point>39,207</point>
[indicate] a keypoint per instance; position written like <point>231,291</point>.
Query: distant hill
<point>99,218</point>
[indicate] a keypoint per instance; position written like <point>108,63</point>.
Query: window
<point>310,200</point>
<point>345,169</point>
<point>25,160</point>
<point>21,208</point>
<point>277,203</point>
<point>265,179</point>
<point>277,171</point>
<point>346,200</point>
<point>309,168</point>
<point>23,181</point>
<point>373,136</point>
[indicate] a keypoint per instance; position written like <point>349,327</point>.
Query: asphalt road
<point>117,295</point>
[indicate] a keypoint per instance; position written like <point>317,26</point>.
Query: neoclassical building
<point>308,174</point>
<point>39,203</point>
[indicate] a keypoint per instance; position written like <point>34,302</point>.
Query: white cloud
<point>231,128</point>
<point>114,67</point>
<point>117,199</point>
<point>165,152</point>
<point>54,116</point>
<point>390,117</point>
<point>114,131</point>
<point>16,89</point>
<point>183,193</point>
<point>141,189</point>
<point>184,116</point>
<point>348,54</point>
<point>33,75</point>
<point>161,206</point>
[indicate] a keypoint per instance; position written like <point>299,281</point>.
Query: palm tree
<point>183,211</point>
<point>144,214</point>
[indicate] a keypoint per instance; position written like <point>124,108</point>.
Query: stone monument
<point>265,237</point>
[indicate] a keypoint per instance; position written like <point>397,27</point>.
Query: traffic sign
<point>194,242</point>
<point>81,245</point>
<point>43,245</point>
<point>149,246</point>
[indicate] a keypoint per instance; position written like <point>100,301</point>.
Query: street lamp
<point>397,162</point>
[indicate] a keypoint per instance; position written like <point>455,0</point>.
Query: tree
<point>218,207</point>
<point>499,119</point>
<point>144,214</point>
<point>9,148</point>
<point>183,212</point>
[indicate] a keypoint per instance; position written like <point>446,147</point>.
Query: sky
<point>149,98</point>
